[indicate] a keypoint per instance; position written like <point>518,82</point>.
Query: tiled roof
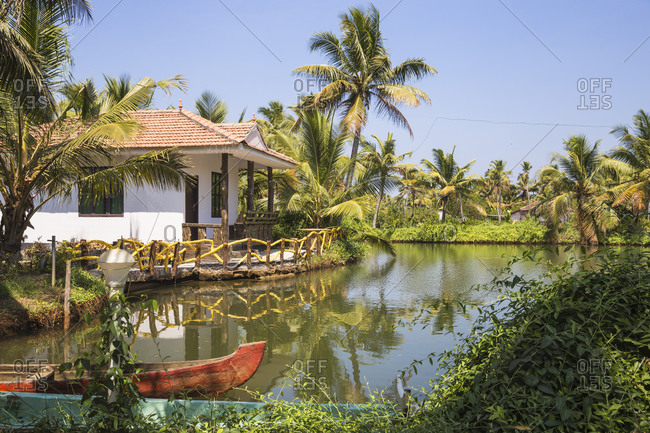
<point>182,128</point>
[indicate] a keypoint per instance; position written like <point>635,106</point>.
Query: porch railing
<point>171,255</point>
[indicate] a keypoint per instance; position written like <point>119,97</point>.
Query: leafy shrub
<point>565,352</point>
<point>288,225</point>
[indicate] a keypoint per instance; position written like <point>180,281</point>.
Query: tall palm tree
<point>360,74</point>
<point>319,190</point>
<point>497,178</point>
<point>382,164</point>
<point>577,181</point>
<point>411,186</point>
<point>449,178</point>
<point>524,180</point>
<point>632,157</point>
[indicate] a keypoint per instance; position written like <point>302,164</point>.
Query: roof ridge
<point>205,123</point>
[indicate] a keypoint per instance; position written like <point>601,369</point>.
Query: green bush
<point>527,231</point>
<point>565,352</point>
<point>288,225</point>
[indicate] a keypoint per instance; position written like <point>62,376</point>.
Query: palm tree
<point>632,157</point>
<point>449,178</point>
<point>524,180</point>
<point>497,178</point>
<point>319,189</point>
<point>211,107</point>
<point>25,71</point>
<point>40,162</point>
<point>411,186</point>
<point>360,74</point>
<point>576,181</point>
<point>382,163</point>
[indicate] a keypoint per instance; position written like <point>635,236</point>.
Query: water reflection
<point>350,328</point>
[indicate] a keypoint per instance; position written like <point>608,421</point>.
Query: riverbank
<point>526,232</point>
<point>29,303</point>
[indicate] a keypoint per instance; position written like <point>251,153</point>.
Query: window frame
<point>108,201</point>
<point>215,194</point>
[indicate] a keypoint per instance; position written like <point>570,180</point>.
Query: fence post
<point>308,247</point>
<point>296,251</point>
<point>268,254</point>
<point>66,296</point>
<point>282,252</point>
<point>225,255</point>
<point>197,258</point>
<point>152,258</point>
<point>249,259</point>
<point>176,259</point>
<point>319,245</point>
<point>53,240</point>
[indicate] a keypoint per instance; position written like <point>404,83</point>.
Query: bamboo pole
<point>319,245</point>
<point>268,254</point>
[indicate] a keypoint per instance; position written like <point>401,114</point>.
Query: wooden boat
<point>157,380</point>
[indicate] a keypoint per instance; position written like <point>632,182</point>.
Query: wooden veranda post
<point>271,197</point>
<point>177,258</point>
<point>268,254</point>
<point>251,186</point>
<point>296,250</point>
<point>282,252</point>
<point>224,183</point>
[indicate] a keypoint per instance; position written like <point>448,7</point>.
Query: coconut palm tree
<point>449,178</point>
<point>319,190</point>
<point>382,163</point>
<point>632,157</point>
<point>576,181</point>
<point>412,186</point>
<point>41,162</point>
<point>25,71</point>
<point>497,178</point>
<point>524,180</point>
<point>211,107</point>
<point>360,74</point>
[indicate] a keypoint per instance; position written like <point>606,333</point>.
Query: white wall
<point>148,214</point>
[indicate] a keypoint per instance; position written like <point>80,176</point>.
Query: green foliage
<point>566,351</point>
<point>110,401</point>
<point>527,231</point>
<point>288,225</point>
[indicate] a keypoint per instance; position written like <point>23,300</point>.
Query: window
<point>103,205</point>
<point>216,195</point>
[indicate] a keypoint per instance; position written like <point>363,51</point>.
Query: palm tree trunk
<point>12,231</point>
<point>648,216</point>
<point>499,205</point>
<point>380,196</point>
<point>353,155</point>
<point>444,209</point>
<point>460,201</point>
<point>528,198</point>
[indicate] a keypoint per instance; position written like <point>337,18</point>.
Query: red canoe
<point>157,380</point>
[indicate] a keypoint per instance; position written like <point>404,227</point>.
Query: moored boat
<point>156,380</point>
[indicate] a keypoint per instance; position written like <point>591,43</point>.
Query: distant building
<point>521,214</point>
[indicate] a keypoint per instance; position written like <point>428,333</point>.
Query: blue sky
<point>508,71</point>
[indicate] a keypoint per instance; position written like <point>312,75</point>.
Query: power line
<point>506,122</point>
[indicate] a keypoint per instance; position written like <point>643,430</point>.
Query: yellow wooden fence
<point>172,254</point>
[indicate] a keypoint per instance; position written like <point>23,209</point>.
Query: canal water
<point>351,329</point>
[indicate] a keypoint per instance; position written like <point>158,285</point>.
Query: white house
<point>216,153</point>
